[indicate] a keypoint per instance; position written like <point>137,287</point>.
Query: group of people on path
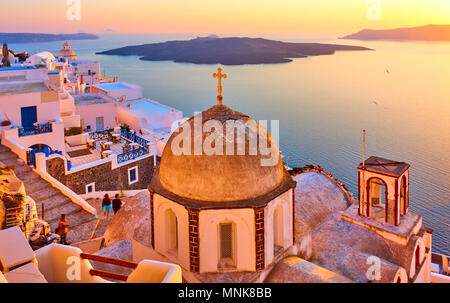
<point>107,205</point>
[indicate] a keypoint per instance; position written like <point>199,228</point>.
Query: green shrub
<point>19,197</point>
<point>125,127</point>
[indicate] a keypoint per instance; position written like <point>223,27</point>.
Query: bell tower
<point>383,189</point>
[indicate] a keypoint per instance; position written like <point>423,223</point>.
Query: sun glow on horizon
<point>220,17</point>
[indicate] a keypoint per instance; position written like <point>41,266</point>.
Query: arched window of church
<point>172,231</point>
<point>417,254</point>
<point>278,229</point>
<point>226,234</point>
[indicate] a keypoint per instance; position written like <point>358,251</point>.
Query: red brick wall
<point>152,218</point>
<point>194,255</point>
<point>259,238</point>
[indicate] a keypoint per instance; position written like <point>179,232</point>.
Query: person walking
<point>116,203</point>
<point>63,229</point>
<point>106,203</point>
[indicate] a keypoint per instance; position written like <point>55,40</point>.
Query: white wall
<point>57,262</point>
<point>244,244</point>
<point>83,68</point>
<point>412,270</point>
<point>61,263</point>
<point>71,121</point>
<point>11,104</point>
<point>90,112</point>
<point>285,201</point>
<point>129,119</point>
<point>55,139</point>
<point>25,74</point>
<point>160,206</point>
<point>67,103</point>
<point>149,271</point>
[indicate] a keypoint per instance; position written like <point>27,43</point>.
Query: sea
<point>399,92</point>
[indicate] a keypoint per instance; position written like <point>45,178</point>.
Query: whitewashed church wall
<point>244,244</point>
<point>160,206</point>
<point>285,201</point>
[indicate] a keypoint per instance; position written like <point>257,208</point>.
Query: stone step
<point>81,223</point>
<point>19,165</point>
<point>22,169</point>
<point>54,214</point>
<point>28,177</point>
<point>80,217</point>
<point>13,161</point>
<point>82,232</point>
<point>7,155</point>
<point>45,193</point>
<point>4,149</point>
<point>36,185</point>
<point>74,219</point>
<point>55,202</point>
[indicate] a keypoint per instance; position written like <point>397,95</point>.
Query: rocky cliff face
<point>132,221</point>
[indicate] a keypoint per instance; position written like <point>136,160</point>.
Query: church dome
<point>67,52</point>
<point>221,177</point>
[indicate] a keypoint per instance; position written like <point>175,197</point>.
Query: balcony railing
<point>132,154</point>
<point>134,138</point>
<point>35,130</point>
<point>101,134</point>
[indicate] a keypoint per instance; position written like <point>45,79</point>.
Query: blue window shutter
<point>133,175</point>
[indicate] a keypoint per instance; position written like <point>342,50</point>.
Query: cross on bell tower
<point>219,77</point>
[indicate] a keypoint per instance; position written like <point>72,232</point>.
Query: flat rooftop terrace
<point>90,99</point>
<point>22,87</point>
<point>114,86</point>
<point>146,107</point>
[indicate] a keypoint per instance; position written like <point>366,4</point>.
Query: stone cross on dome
<point>219,77</point>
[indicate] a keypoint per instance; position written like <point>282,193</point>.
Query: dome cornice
<point>261,201</point>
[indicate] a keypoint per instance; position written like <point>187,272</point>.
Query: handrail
<point>106,274</point>
<point>95,229</point>
<point>108,260</point>
<point>132,154</point>
<point>35,130</point>
<point>133,137</point>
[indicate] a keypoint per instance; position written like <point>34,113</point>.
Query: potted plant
<point>6,124</point>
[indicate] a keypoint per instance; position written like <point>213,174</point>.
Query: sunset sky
<point>252,17</point>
